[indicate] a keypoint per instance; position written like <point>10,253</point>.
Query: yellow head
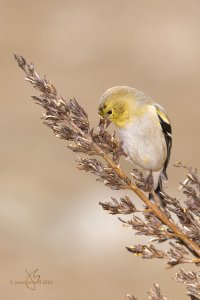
<point>121,104</point>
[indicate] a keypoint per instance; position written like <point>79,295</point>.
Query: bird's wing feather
<point>167,131</point>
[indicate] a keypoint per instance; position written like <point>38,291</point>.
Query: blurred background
<point>50,219</point>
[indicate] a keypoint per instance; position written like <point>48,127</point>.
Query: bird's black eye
<point>109,112</point>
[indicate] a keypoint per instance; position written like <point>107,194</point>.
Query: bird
<point>144,130</point>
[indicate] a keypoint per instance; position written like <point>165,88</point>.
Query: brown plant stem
<point>155,209</point>
<point>196,260</point>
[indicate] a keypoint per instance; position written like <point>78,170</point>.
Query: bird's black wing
<point>167,131</point>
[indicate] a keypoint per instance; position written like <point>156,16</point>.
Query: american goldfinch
<point>144,129</point>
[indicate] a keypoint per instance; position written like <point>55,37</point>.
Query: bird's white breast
<point>144,142</point>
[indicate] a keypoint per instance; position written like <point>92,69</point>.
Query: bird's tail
<point>158,192</point>
<point>158,189</point>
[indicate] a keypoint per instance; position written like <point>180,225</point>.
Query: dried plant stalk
<point>102,152</point>
<point>59,118</point>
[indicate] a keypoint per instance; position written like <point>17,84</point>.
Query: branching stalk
<point>69,121</point>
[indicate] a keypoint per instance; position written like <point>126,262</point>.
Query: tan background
<point>49,213</point>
